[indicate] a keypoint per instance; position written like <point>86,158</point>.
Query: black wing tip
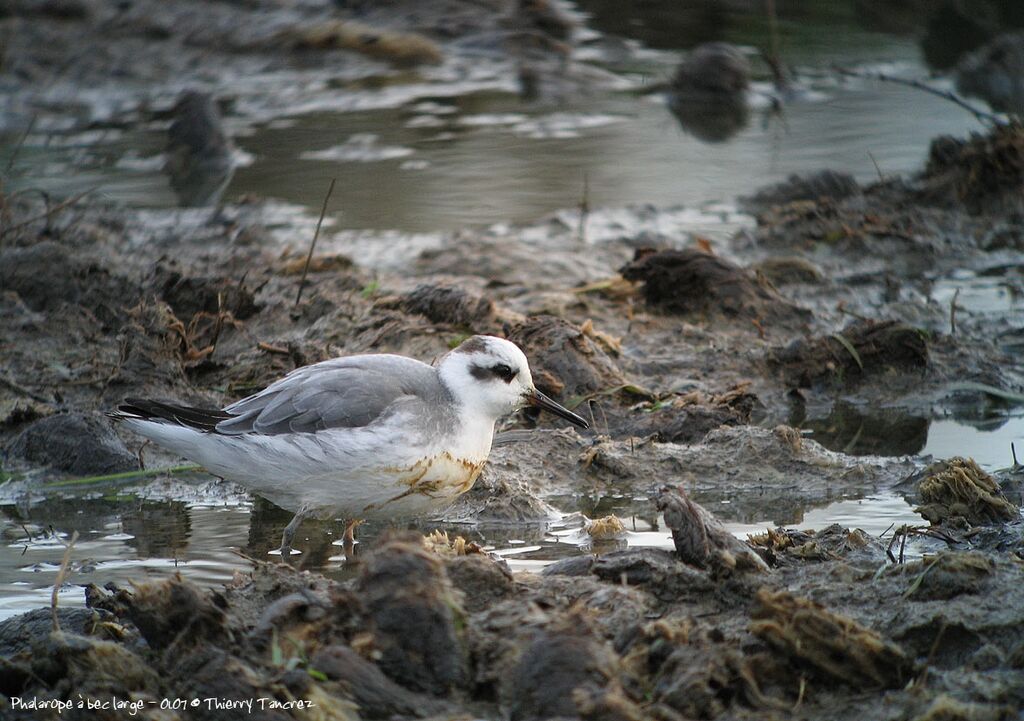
<point>202,419</point>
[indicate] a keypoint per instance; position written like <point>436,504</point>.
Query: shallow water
<point>207,534</point>
<point>443,162</point>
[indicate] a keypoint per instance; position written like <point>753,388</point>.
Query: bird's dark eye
<point>504,372</point>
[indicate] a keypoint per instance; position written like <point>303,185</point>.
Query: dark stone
<point>79,443</point>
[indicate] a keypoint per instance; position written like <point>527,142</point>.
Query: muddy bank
<point>648,339</point>
<point>431,626</point>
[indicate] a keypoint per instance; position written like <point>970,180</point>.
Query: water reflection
<point>209,542</point>
<point>864,432</point>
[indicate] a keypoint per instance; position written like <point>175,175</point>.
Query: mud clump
<point>862,349</point>
<point>78,443</point>
<point>984,173</point>
<point>694,669</point>
<point>700,539</point>
<point>167,611</point>
<point>376,695</point>
<point>152,344</point>
<point>835,646</point>
<point>566,362</point>
<point>47,275</point>
<point>481,580</point>
<point>949,574</point>
<point>782,545</point>
<point>450,305</point>
<point>563,669</point>
<point>811,186</point>
<point>17,634</point>
<point>960,488</point>
<point>693,282</point>
<point>690,418</point>
<point>189,296</point>
<point>414,617</point>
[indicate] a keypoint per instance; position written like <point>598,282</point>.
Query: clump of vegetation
<point>960,488</point>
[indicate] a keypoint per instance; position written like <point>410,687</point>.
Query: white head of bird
<point>491,376</point>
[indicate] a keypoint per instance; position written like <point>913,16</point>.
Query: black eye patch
<point>504,372</point>
<point>500,370</point>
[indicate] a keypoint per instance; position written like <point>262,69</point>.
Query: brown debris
<point>832,645</point>
<point>398,48</point>
<point>693,282</point>
<point>960,488</point>
<point>862,349</point>
<point>832,543</point>
<point>317,264</point>
<point>700,539</point>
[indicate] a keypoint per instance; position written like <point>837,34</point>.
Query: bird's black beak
<point>539,400</point>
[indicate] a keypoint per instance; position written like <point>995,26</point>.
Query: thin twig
<point>55,209</point>
<point>774,57</point>
<point>312,246</point>
<point>61,575</point>
<point>584,208</point>
<point>981,115</point>
<point>952,312</point>
<point>881,178</point>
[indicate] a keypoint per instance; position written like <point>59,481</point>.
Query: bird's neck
<point>473,440</point>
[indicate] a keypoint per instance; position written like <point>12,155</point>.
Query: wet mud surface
<point>740,381</point>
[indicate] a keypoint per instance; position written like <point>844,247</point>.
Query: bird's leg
<point>289,530</point>
<point>349,538</point>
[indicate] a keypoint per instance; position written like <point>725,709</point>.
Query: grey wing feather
<point>349,392</point>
